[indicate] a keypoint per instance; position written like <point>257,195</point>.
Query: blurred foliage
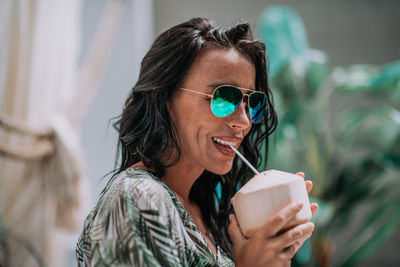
<point>342,128</point>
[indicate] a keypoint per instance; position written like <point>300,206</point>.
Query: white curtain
<point>43,97</point>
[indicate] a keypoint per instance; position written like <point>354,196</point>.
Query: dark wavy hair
<point>147,133</point>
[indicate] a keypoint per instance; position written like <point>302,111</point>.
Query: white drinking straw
<point>244,159</point>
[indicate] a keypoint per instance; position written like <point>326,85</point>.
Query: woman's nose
<point>240,118</point>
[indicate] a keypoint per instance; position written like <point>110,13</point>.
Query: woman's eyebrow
<point>216,84</point>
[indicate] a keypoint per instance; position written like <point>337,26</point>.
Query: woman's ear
<point>169,109</point>
<point>170,104</point>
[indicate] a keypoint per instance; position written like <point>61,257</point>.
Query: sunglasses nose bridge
<point>246,98</point>
<point>240,117</point>
<point>245,105</point>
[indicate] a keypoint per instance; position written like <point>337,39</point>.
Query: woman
<point>200,89</point>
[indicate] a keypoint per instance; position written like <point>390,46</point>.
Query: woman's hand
<point>271,245</point>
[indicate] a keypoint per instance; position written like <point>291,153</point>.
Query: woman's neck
<point>181,178</point>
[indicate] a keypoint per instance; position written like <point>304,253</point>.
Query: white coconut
<point>266,194</point>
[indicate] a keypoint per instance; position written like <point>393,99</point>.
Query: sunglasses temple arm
<point>244,159</point>
<point>199,93</point>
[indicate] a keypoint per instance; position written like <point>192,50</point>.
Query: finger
<point>309,185</point>
<point>308,182</point>
<point>279,220</point>
<point>234,230</point>
<point>296,234</point>
<point>297,245</point>
<point>287,253</point>
<point>314,208</point>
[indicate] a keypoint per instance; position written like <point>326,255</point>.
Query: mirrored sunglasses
<point>227,98</point>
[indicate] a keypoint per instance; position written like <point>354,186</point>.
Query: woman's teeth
<point>224,142</point>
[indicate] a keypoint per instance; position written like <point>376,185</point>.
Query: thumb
<point>234,231</point>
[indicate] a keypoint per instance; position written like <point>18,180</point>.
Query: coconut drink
<point>266,194</point>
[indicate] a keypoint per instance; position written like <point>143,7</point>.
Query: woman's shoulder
<point>129,197</point>
<point>140,187</point>
<point>135,215</point>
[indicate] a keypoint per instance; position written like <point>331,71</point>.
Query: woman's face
<point>200,131</point>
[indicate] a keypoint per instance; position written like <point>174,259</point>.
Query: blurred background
<point>67,67</point>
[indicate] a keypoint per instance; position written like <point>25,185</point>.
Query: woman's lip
<point>225,150</point>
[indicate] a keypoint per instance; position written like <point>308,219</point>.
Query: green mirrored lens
<point>226,100</point>
<point>257,103</point>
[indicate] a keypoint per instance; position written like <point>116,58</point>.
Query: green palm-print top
<point>139,221</point>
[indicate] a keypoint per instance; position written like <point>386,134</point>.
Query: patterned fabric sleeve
<point>134,224</point>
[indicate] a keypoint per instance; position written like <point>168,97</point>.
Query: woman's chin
<point>220,170</point>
